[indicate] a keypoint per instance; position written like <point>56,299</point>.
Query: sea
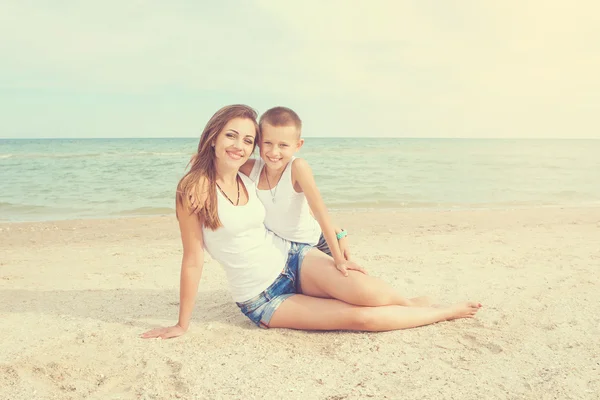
<point>58,179</point>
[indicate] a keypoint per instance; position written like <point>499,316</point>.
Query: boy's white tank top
<point>288,213</point>
<point>251,256</point>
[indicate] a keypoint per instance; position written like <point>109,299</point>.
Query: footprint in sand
<point>11,277</point>
<point>473,342</point>
<point>132,275</point>
<point>9,376</point>
<point>176,382</point>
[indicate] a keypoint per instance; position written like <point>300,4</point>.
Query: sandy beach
<point>75,295</point>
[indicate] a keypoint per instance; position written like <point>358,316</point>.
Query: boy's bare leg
<point>320,278</point>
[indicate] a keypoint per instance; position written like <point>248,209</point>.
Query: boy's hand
<point>344,248</point>
<point>344,267</point>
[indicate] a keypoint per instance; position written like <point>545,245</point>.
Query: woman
<point>277,284</point>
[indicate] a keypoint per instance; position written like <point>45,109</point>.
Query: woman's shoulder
<point>248,166</point>
<point>192,192</point>
<point>192,182</point>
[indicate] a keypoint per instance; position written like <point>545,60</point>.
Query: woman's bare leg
<point>312,313</point>
<point>320,278</point>
<point>422,301</point>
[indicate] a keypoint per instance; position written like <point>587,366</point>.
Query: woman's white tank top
<point>287,211</point>
<point>251,256</point>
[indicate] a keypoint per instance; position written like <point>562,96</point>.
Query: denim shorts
<point>261,307</point>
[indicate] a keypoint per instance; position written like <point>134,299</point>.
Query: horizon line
<point>309,137</point>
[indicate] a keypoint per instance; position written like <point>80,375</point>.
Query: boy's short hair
<point>281,116</point>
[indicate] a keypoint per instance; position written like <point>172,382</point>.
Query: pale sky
<point>119,68</point>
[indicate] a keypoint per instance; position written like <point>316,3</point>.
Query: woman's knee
<point>367,295</point>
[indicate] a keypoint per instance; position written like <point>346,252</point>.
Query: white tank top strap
<point>286,177</point>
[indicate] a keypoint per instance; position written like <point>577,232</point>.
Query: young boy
<point>287,188</point>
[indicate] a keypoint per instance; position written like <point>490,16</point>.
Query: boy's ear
<point>300,143</point>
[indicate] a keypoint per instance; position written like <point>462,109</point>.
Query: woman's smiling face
<point>235,143</point>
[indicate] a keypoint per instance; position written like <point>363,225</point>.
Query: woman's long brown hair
<point>199,181</point>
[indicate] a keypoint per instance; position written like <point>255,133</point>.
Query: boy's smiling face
<point>279,144</point>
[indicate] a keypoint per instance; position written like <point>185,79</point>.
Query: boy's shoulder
<point>301,163</point>
<point>300,166</point>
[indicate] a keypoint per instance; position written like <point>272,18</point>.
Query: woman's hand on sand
<point>164,333</point>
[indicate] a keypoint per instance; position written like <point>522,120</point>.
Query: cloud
<point>406,68</point>
<point>475,68</point>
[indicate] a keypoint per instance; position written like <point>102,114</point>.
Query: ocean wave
<point>21,207</point>
<point>383,204</point>
<point>572,194</point>
<point>15,209</point>
<point>111,154</point>
<point>55,155</point>
<point>144,211</point>
<point>163,153</point>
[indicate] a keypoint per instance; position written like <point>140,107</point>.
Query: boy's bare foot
<point>463,310</point>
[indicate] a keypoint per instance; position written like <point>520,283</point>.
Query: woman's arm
<point>190,225</point>
<point>192,262</point>
<point>303,179</point>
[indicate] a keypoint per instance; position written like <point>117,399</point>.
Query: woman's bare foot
<point>422,301</point>
<point>462,310</point>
